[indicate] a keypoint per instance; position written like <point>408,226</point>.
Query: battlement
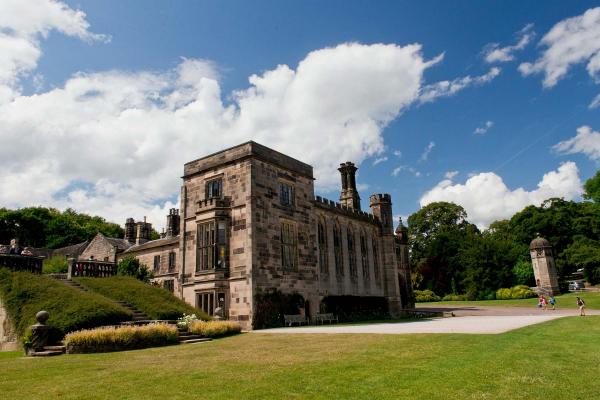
<point>380,198</point>
<point>205,204</point>
<point>344,209</point>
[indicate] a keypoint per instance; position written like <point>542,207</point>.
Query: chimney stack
<point>349,195</point>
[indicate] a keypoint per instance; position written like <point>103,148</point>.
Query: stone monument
<point>544,269</point>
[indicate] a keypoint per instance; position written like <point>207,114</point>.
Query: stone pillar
<point>544,268</point>
<point>40,332</point>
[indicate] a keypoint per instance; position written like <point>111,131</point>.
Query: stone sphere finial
<point>42,317</point>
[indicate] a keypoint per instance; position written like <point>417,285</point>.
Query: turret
<point>130,230</point>
<point>173,222</point>
<point>381,208</point>
<point>349,195</point>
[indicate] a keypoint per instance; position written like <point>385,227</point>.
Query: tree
<point>131,266</point>
<point>584,253</point>
<point>592,188</point>
<point>523,271</point>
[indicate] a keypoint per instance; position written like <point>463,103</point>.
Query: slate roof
<point>152,244</point>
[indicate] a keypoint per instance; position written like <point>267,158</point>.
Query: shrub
<point>131,266</point>
<point>271,306</point>
<point>151,300</point>
<point>25,294</point>
<point>455,297</point>
<point>55,265</point>
<point>110,338</point>
<point>424,296</point>
<point>214,329</point>
<point>185,321</point>
<point>356,308</point>
<point>516,292</point>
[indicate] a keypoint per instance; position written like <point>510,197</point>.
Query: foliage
<point>516,292</point>
<point>185,321</point>
<point>592,188</point>
<point>151,300</point>
<point>214,329</point>
<point>455,297</point>
<point>25,294</point>
<point>356,308</point>
<point>51,228</point>
<point>424,296</point>
<point>55,265</point>
<point>110,338</point>
<point>131,266</point>
<point>523,272</point>
<point>270,307</point>
<point>585,253</point>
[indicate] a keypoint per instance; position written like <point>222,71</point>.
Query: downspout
<point>182,232</point>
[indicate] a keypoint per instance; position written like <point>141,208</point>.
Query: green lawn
<point>592,300</point>
<point>555,360</point>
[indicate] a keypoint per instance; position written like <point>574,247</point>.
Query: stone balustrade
<point>91,268</point>
<point>22,263</point>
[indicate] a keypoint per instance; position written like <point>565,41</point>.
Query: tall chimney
<point>349,195</point>
<point>173,222</point>
<point>130,230</point>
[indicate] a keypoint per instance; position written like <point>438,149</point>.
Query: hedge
<point>106,339</point>
<point>25,294</point>
<point>155,302</point>
<point>516,292</point>
<point>424,296</point>
<point>270,307</point>
<point>214,329</point>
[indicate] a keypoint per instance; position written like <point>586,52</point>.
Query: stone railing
<point>93,269</point>
<point>22,263</point>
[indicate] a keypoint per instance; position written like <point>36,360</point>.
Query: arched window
<point>337,249</point>
<point>351,254</point>
<point>322,236</point>
<point>363,256</point>
<point>376,261</point>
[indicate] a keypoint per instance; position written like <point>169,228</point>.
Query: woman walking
<point>581,305</point>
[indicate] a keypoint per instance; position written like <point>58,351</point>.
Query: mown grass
<point>555,360</point>
<point>155,302</point>
<point>25,294</point>
<point>567,300</point>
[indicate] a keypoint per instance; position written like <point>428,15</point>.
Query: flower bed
<point>214,329</point>
<point>106,339</point>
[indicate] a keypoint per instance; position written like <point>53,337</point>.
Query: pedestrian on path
<point>581,305</point>
<point>544,303</point>
<point>553,302</point>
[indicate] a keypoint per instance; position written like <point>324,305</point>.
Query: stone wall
<point>8,336</point>
<point>100,249</point>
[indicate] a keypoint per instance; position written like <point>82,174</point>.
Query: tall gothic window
<point>351,254</point>
<point>171,261</point>
<point>323,247</point>
<point>286,194</point>
<point>363,256</point>
<point>376,261</point>
<point>288,246</point>
<point>337,250</point>
<point>212,245</point>
<point>157,263</point>
<point>214,189</point>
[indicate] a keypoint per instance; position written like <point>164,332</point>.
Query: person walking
<point>553,302</point>
<point>581,305</point>
<point>544,303</point>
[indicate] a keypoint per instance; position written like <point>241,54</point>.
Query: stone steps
<point>49,351</point>
<point>191,341</point>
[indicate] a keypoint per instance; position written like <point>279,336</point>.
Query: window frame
<point>289,245</point>
<point>209,188</point>
<point>287,194</point>
<point>211,245</point>
<point>156,263</point>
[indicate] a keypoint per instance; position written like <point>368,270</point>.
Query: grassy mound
<point>155,302</point>
<point>25,294</point>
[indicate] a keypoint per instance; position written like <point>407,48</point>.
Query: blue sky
<point>521,116</point>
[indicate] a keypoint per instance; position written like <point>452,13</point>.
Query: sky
<point>493,105</point>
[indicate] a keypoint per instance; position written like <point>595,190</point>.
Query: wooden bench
<point>291,319</point>
<point>325,317</point>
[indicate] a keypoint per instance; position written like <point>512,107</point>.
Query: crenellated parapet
<point>213,203</point>
<point>343,209</point>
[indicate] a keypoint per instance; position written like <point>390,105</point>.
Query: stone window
<point>288,246</point>
<point>337,250</point>
<point>157,263</point>
<point>169,285</point>
<point>206,302</point>
<point>323,261</point>
<point>363,257</point>
<point>376,261</point>
<point>286,194</point>
<point>211,245</point>
<point>214,189</point>
<point>351,253</point>
<point>171,261</point>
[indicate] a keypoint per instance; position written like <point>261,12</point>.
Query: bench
<point>291,319</point>
<point>418,314</point>
<point>326,317</point>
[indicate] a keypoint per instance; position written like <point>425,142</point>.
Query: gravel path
<point>487,324</point>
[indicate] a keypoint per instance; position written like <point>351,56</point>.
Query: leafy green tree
<point>585,253</point>
<point>131,266</point>
<point>55,265</point>
<point>592,188</point>
<point>523,271</point>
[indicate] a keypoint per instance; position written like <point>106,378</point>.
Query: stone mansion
<point>250,222</point>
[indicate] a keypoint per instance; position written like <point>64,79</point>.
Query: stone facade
<point>544,268</point>
<point>8,336</point>
<point>102,248</point>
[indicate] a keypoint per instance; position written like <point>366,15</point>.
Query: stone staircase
<point>185,337</point>
<point>49,351</point>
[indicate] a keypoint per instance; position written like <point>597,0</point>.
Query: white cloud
<point>481,130</point>
<point>427,151</point>
<point>380,160</point>
<point>397,153</point>
<point>486,198</point>
<point>587,141</point>
<point>595,102</point>
<point>571,41</point>
<point>449,88</point>
<point>396,171</point>
<point>495,53</point>
<point>450,174</point>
